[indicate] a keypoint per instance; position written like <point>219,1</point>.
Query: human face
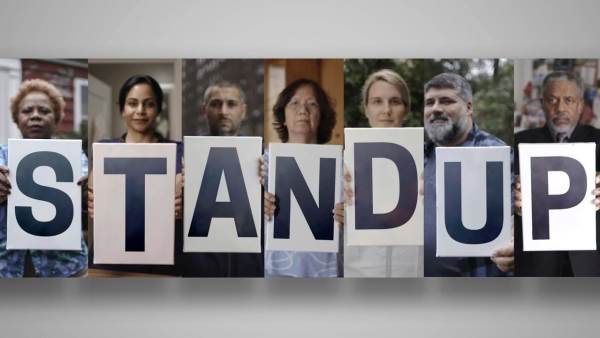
<point>385,106</point>
<point>562,104</point>
<point>36,118</point>
<point>140,110</point>
<point>302,115</point>
<point>225,111</point>
<point>447,116</point>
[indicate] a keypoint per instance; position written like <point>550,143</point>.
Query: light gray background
<point>299,308</point>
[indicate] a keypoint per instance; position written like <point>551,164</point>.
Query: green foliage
<point>494,104</point>
<point>357,71</point>
<point>491,80</point>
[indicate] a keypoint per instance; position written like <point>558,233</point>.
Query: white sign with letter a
<point>222,194</point>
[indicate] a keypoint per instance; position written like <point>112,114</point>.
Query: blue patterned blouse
<point>46,263</point>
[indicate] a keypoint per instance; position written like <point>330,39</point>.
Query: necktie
<point>562,137</point>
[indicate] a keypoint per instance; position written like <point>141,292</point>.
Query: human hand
<point>262,170</point>
<point>348,191</point>
<point>269,205</point>
<point>90,197</point>
<point>4,184</point>
<point>338,214</point>
<point>504,257</point>
<point>179,180</point>
<point>597,192</point>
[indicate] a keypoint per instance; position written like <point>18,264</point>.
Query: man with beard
<point>225,108</point>
<point>562,102</point>
<point>449,123</point>
<point>224,104</point>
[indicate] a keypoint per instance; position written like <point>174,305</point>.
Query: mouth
<point>560,121</point>
<point>438,120</point>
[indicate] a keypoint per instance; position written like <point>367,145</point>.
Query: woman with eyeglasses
<point>303,113</point>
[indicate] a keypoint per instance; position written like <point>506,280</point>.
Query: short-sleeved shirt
<point>46,263</point>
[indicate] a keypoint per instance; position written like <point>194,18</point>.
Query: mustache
<point>440,117</point>
<point>561,115</point>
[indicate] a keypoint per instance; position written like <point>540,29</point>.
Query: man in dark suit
<point>562,101</point>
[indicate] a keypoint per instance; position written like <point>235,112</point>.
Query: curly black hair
<point>327,116</point>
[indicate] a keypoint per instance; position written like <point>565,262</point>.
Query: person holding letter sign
<point>303,114</point>
<point>562,102</point>
<point>36,110</point>
<point>448,115</point>
<point>385,102</point>
<point>140,102</point>
<point>224,104</point>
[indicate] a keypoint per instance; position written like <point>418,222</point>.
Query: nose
<point>562,105</point>
<point>140,108</point>
<point>36,113</point>
<point>435,109</point>
<point>303,108</point>
<point>224,110</point>
<point>387,108</point>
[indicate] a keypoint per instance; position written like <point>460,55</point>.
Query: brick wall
<point>60,75</point>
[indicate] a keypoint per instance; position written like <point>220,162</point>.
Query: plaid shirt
<point>46,263</point>
<point>453,266</point>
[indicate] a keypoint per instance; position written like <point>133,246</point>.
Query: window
<point>80,103</point>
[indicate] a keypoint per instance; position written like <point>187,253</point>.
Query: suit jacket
<point>556,263</point>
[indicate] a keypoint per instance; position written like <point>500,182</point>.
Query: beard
<point>562,128</point>
<point>223,127</point>
<point>444,133</point>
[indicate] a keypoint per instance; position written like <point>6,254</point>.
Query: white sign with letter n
<point>306,180</point>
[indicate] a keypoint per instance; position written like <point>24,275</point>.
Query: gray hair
<point>223,84</point>
<point>451,81</point>
<point>565,76</point>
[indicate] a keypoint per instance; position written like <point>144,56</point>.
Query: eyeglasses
<point>568,100</point>
<point>310,106</point>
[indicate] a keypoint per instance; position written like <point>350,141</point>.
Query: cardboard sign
<point>473,192</point>
<point>44,207</point>
<point>134,203</point>
<point>306,182</point>
<point>222,200</point>
<point>557,183</point>
<point>385,165</point>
